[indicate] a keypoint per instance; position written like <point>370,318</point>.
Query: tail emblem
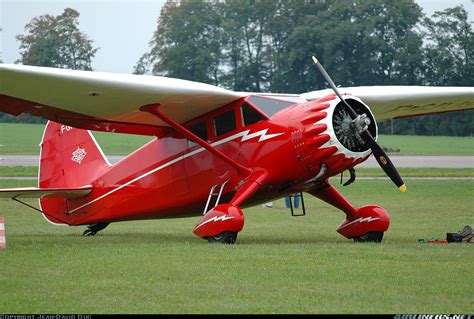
<point>78,155</point>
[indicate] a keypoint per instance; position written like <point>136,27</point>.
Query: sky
<point>121,29</point>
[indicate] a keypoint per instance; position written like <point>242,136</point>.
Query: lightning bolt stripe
<point>263,135</point>
<point>361,220</point>
<point>214,219</point>
<point>244,135</point>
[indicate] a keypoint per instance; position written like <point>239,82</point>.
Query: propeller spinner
<point>359,125</point>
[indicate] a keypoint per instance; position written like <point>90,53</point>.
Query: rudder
<point>69,157</point>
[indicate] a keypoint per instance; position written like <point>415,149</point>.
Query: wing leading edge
<point>387,102</point>
<point>105,101</point>
<point>111,102</point>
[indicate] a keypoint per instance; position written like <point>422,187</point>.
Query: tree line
<point>265,46</point>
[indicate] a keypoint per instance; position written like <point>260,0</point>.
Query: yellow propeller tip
<point>315,60</point>
<point>403,188</point>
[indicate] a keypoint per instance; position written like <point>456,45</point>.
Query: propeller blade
<point>380,156</point>
<point>384,161</point>
<point>333,86</point>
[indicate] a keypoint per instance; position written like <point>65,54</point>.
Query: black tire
<point>226,237</point>
<point>370,237</point>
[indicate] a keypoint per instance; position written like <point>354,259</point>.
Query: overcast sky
<point>121,29</point>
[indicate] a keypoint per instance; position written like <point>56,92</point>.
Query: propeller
<point>361,123</point>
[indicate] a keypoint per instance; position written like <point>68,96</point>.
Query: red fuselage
<point>172,176</point>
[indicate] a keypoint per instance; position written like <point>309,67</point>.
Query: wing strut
<point>154,109</point>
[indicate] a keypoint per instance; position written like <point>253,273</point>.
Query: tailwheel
<point>226,237</point>
<point>94,229</point>
<point>370,237</point>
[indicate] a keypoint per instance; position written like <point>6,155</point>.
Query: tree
<point>445,124</point>
<point>449,49</point>
<point>448,60</point>
<point>143,65</point>
<point>392,40</point>
<point>56,41</point>
<point>256,40</point>
<point>236,44</point>
<point>245,28</point>
<point>186,43</point>
<point>360,42</point>
<point>266,45</point>
<point>53,41</point>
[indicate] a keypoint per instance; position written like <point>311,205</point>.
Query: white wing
<point>84,98</point>
<point>387,102</point>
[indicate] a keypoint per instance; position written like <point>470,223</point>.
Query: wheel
<point>370,237</point>
<point>226,237</point>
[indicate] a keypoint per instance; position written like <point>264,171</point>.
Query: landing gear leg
<point>94,229</point>
<point>222,223</point>
<point>364,224</point>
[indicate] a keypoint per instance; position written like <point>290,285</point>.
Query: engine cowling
<point>328,137</point>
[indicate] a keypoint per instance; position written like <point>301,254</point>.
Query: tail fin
<point>69,158</point>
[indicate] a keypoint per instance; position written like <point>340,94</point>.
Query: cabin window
<point>269,106</point>
<point>250,115</point>
<point>225,122</point>
<point>199,129</point>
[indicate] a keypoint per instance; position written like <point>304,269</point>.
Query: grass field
<point>280,264</point>
<point>24,139</point>
<point>32,171</point>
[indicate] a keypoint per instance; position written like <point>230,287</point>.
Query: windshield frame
<point>274,104</point>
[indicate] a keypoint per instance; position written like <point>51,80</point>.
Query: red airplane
<point>216,151</point>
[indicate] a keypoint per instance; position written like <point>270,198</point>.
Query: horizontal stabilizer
<point>34,192</point>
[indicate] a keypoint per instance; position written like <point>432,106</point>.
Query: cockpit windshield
<point>272,105</point>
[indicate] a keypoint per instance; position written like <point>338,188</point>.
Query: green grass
<point>32,171</point>
<point>24,139</point>
<point>414,172</point>
<point>280,264</point>
<point>428,145</point>
<point>15,171</point>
